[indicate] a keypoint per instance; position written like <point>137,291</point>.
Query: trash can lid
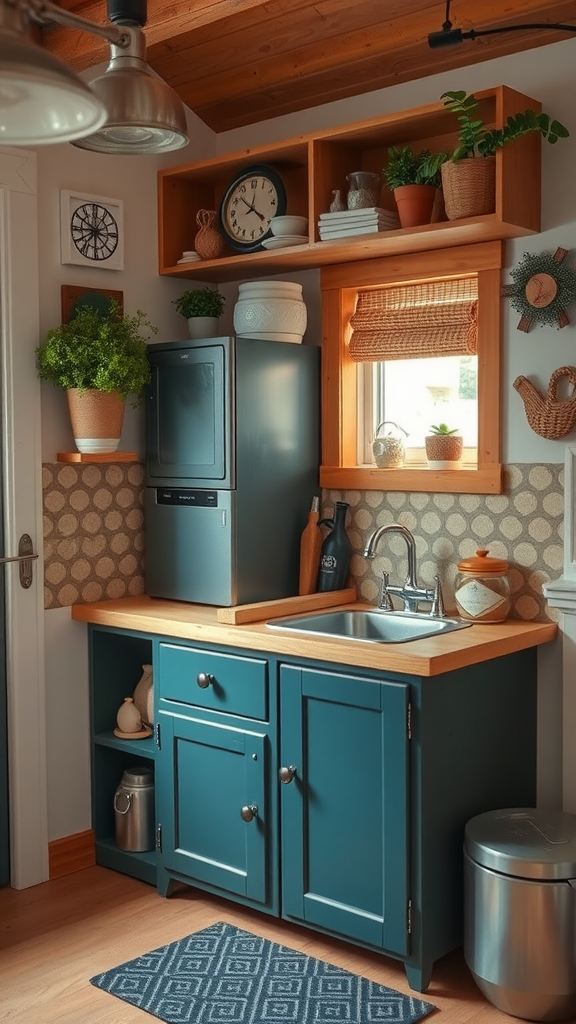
<point>524,842</point>
<point>138,775</point>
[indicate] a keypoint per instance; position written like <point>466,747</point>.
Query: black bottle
<point>335,552</point>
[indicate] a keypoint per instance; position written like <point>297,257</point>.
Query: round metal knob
<point>287,774</point>
<point>204,679</point>
<point>248,812</point>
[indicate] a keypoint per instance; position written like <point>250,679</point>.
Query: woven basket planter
<point>444,451</point>
<point>96,418</point>
<point>469,187</point>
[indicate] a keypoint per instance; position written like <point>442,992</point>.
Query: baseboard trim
<point>71,853</point>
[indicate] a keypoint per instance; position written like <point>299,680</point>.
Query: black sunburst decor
<point>544,285</point>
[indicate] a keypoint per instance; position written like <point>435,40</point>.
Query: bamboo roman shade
<point>435,318</point>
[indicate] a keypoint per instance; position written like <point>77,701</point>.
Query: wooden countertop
<point>427,657</point>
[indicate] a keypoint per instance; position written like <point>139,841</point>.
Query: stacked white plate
<point>188,256</point>
<point>283,240</point>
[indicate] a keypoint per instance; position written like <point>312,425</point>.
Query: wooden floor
<point>55,936</point>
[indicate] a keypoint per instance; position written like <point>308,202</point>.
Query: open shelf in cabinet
<point>313,165</point>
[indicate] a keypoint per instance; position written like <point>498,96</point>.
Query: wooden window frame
<point>339,286</point>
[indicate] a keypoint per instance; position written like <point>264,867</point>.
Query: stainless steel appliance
<point>232,453</point>
<point>520,911</point>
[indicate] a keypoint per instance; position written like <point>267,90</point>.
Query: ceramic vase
<point>143,696</point>
<point>129,718</point>
<point>270,310</point>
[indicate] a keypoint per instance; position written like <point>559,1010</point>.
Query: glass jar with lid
<point>482,588</point>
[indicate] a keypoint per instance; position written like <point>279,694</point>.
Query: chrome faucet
<point>410,593</point>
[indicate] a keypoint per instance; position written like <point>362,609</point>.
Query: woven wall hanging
<point>544,285</point>
<point>548,415</point>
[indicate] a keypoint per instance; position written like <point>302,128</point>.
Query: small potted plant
<point>468,173</point>
<point>202,308</point>
<point>100,359</point>
<point>414,178</point>
<point>444,447</point>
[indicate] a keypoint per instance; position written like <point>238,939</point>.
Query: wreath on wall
<point>544,285</point>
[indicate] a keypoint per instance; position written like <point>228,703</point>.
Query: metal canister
<point>134,810</point>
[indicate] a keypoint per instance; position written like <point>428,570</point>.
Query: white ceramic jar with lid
<point>482,588</point>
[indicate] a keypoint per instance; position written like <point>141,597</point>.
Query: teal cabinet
<point>211,781</point>
<point>334,797</point>
<point>344,805</point>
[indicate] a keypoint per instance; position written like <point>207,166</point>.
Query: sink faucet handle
<point>437,607</point>
<point>385,599</point>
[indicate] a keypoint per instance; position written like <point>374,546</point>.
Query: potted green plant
<point>444,447</point>
<point>100,359</point>
<point>414,178</point>
<point>468,173</point>
<point>202,308</point>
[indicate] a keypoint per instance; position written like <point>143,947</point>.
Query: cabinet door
<point>344,815</point>
<point>207,774</point>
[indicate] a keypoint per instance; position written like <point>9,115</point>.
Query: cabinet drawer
<point>218,682</point>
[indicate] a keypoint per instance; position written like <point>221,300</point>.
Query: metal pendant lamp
<point>144,114</point>
<point>127,110</point>
<point>41,99</point>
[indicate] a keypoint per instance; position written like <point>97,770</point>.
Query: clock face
<point>94,231</point>
<point>252,199</point>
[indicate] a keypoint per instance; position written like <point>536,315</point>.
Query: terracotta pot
<point>415,204</point>
<point>444,451</point>
<point>469,187</point>
<point>96,418</point>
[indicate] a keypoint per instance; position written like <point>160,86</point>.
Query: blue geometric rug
<point>223,975</point>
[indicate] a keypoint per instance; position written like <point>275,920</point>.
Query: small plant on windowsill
<point>444,447</point>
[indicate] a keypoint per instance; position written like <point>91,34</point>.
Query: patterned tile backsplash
<point>94,533</point>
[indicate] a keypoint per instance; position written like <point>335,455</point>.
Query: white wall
<point>547,74</point>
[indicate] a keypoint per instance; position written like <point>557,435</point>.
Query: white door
<point>21,482</point>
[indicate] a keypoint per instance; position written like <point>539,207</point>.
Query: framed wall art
<point>75,297</point>
<point>91,230</point>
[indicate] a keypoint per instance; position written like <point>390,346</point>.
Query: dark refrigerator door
<point>189,545</point>
<point>189,413</point>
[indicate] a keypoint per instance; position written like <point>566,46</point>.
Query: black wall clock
<point>254,196</point>
<point>91,230</point>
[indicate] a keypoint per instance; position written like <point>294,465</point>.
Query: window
<point>352,396</point>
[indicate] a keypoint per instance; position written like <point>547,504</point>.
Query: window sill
<point>474,480</point>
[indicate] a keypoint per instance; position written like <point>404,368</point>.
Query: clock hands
<point>252,208</point>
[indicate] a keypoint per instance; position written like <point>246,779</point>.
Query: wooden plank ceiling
<point>236,62</point>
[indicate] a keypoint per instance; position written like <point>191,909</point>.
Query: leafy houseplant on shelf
<point>444,447</point>
<point>100,359</point>
<point>468,173</point>
<point>414,178</point>
<point>202,308</point>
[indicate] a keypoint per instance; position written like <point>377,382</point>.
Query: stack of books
<point>356,222</point>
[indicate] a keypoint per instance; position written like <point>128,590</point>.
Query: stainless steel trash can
<point>520,911</point>
<point>134,810</point>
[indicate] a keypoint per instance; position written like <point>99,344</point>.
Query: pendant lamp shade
<point>41,99</point>
<point>144,114</point>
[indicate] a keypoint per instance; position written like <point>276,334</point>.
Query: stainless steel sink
<point>369,625</point>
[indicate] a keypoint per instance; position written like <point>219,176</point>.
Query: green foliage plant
<point>474,139</point>
<point>405,167</point>
<point>200,302</point>
<point>98,351</point>
<point>443,430</point>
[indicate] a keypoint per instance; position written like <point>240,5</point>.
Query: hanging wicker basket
<point>469,187</point>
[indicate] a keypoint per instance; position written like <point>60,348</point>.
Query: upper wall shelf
<point>312,166</point>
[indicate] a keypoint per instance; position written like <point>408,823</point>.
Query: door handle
<point>25,556</point>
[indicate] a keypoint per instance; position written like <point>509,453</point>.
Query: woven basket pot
<point>444,451</point>
<point>469,187</point>
<point>96,418</point>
